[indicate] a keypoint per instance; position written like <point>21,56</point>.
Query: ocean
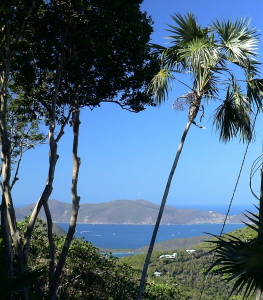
<point>111,236</point>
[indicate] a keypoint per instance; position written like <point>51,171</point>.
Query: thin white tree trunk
<point>157,224</point>
<point>75,202</point>
<point>52,248</point>
<point>53,157</point>
<point>258,293</point>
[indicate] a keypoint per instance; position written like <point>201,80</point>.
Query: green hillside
<point>189,270</point>
<point>182,243</point>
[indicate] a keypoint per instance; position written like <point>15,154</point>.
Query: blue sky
<point>129,156</point>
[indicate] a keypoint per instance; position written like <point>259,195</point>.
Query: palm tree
<point>241,260</point>
<point>206,54</point>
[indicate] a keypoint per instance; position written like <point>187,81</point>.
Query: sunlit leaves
<point>205,54</point>
<point>160,85</point>
<point>187,29</point>
<point>238,41</point>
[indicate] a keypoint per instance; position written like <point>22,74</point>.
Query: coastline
<point>152,224</point>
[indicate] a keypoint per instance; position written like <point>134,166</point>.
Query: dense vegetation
<point>189,271</point>
<point>58,57</point>
<point>91,275</point>
<point>87,273</point>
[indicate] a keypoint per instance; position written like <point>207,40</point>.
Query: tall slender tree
<point>206,55</point>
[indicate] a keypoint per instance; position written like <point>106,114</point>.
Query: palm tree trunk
<point>258,294</point>
<point>260,233</point>
<point>165,195</point>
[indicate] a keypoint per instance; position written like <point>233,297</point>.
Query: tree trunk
<point>7,244</point>
<point>260,233</point>
<point>165,195</point>
<point>75,202</point>
<point>8,217</point>
<point>52,248</point>
<point>258,293</point>
<point>53,157</point>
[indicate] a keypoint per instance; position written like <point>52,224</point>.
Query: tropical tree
<point>206,54</point>
<point>63,56</point>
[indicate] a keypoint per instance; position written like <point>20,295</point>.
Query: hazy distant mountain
<point>129,212</point>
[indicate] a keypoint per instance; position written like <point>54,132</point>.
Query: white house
<point>190,251</point>
<point>174,255</point>
<point>158,274</point>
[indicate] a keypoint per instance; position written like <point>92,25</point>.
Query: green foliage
<point>87,273</point>
<point>189,272</point>
<point>110,62</point>
<point>241,260</point>
<point>164,290</point>
<point>90,275</point>
<point>23,133</point>
<point>15,285</point>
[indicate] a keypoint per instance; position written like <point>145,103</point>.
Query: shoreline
<point>189,224</point>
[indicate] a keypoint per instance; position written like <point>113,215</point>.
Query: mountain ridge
<point>135,212</point>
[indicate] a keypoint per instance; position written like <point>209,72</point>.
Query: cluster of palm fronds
<point>240,260</point>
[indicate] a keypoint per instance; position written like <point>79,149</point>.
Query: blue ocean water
<point>135,236</point>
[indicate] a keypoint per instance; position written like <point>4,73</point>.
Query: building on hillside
<point>174,255</point>
<point>190,251</point>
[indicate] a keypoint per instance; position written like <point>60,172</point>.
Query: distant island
<point>135,212</point>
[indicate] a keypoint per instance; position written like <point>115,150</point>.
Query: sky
<point>129,156</point>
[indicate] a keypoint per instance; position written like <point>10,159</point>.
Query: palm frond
<point>156,47</point>
<point>233,115</point>
<point>252,68</point>
<point>193,47</point>
<point>207,83</point>
<point>256,220</point>
<point>172,60</point>
<point>255,91</point>
<point>160,85</point>
<point>238,40</point>
<point>240,260</point>
<point>187,29</point>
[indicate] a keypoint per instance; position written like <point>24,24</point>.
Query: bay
<point>112,236</point>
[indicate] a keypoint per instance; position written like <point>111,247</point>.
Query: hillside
<point>188,271</point>
<point>129,212</point>
<point>182,243</point>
